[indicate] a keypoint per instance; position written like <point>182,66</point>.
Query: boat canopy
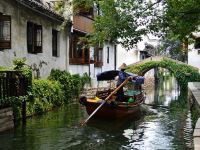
<point>110,75</point>
<point>107,75</point>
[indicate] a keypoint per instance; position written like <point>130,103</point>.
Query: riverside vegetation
<point>59,88</point>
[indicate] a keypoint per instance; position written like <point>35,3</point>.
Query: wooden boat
<point>112,109</point>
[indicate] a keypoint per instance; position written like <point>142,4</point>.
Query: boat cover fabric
<point>107,75</point>
<point>110,75</point>
<point>139,80</point>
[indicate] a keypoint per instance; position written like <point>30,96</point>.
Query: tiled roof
<point>41,8</point>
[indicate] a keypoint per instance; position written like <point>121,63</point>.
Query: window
<point>98,57</point>
<point>79,53</point>
<point>108,53</point>
<point>5,31</point>
<point>55,43</point>
<point>34,38</point>
<point>197,43</point>
<point>198,52</point>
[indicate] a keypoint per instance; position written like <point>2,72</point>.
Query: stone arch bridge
<point>183,72</point>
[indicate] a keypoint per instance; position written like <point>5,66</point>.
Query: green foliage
<point>85,79</point>
<point>82,4</point>
<point>3,68</point>
<point>20,65</point>
<point>129,20</point>
<point>183,72</point>
<point>124,20</point>
<point>181,18</point>
<point>71,84</point>
<point>44,95</point>
<point>59,7</point>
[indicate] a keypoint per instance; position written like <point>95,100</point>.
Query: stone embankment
<point>6,119</point>
<point>194,89</point>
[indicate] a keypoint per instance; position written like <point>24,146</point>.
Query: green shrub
<point>20,65</point>
<point>71,84</point>
<point>66,82</point>
<point>44,95</point>
<point>85,80</point>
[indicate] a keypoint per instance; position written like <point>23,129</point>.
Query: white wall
<point>193,56</point>
<point>128,57</point>
<point>108,66</point>
<point>80,69</point>
<point>42,61</point>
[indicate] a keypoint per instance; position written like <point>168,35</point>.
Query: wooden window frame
<point>98,57</point>
<point>34,38</point>
<point>55,43</point>
<point>197,43</point>
<point>5,42</point>
<point>87,12</point>
<point>198,52</point>
<point>81,58</point>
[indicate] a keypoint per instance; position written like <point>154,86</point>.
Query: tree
<point>126,21</point>
<point>180,18</point>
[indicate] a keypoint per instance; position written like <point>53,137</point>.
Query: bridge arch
<point>184,73</point>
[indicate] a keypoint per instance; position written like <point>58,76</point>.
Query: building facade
<point>84,59</point>
<point>29,29</point>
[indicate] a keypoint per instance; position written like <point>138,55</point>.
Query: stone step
<point>6,114</point>
<point>8,125</point>
<point>5,110</point>
<point>6,119</point>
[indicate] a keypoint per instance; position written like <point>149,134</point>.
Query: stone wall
<point>6,119</point>
<point>194,88</point>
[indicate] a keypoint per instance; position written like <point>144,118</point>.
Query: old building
<point>90,60</point>
<point>29,29</point>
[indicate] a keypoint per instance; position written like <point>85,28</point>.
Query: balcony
<point>83,24</point>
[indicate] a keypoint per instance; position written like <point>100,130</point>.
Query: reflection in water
<point>169,128</point>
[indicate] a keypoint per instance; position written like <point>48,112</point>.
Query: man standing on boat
<point>121,78</point>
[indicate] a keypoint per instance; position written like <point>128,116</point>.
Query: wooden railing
<point>13,83</point>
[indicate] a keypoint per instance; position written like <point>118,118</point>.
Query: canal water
<point>166,125</point>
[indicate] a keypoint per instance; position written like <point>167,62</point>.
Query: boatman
<point>121,78</point>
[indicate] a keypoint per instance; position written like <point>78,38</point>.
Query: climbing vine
<point>183,72</point>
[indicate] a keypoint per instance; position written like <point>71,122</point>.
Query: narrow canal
<point>167,126</point>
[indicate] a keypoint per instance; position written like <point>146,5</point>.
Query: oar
<point>105,100</point>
